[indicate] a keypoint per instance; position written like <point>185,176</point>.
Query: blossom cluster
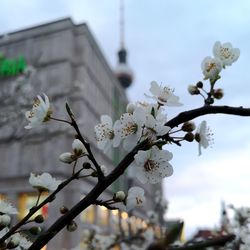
<point>143,123</point>
<point>16,241</point>
<point>224,55</point>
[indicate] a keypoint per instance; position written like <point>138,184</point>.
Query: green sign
<point>12,67</point>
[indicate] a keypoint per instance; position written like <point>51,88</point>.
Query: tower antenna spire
<point>122,24</point>
<point>123,73</point>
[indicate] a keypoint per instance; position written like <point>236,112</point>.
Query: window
<point>103,216</point>
<point>88,215</point>
<point>27,200</point>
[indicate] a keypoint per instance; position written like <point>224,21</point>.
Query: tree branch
<point>34,209</point>
<point>44,238</point>
<point>92,196</point>
<point>218,241</point>
<point>206,110</point>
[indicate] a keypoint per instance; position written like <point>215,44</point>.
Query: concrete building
<point>69,66</point>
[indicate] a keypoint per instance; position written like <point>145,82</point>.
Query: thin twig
<point>34,209</point>
<point>218,241</point>
<point>44,238</point>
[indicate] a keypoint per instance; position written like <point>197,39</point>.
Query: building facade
<point>66,64</point>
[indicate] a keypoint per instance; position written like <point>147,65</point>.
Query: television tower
<point>123,72</point>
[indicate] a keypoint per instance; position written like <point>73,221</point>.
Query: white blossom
<point>153,217</point>
<point>43,182</point>
<point>67,157</point>
<point>40,112</point>
<point>152,165</point>
<point>203,136</point>
<point>103,242</point>
<point>225,53</point>
<point>7,208</point>
<point>130,108</point>
<point>211,67</point>
<point>4,220</point>
<point>164,95</point>
<point>78,148</point>
<point>129,128</point>
<point>105,134</point>
<point>119,196</point>
<point>20,241</point>
<point>135,198</point>
<point>154,127</point>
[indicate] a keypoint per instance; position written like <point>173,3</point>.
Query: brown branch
<point>91,157</point>
<point>44,238</point>
<point>34,209</point>
<point>105,204</point>
<point>206,110</point>
<point>218,241</point>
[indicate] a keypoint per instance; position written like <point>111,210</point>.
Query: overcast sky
<point>167,40</point>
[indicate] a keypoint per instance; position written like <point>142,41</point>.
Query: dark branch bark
<point>219,241</point>
<point>119,170</point>
<point>206,110</point>
<point>44,238</point>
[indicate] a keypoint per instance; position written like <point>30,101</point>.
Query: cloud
<point>196,191</point>
<point>166,41</point>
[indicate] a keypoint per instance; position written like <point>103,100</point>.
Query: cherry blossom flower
<point>7,208</point>
<point>4,220</point>
<point>79,150</point>
<point>67,157</point>
<point>129,128</point>
<point>135,198</point>
<point>153,217</point>
<point>154,128</point>
<point>19,241</point>
<point>152,165</point>
<point>211,67</point>
<point>40,112</point>
<point>226,53</point>
<point>164,95</point>
<point>43,182</point>
<point>104,133</point>
<point>203,136</point>
<point>103,242</point>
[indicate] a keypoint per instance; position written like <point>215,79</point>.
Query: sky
<point>166,41</point>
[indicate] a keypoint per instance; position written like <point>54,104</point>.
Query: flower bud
<point>197,137</point>
<point>193,90</point>
<point>209,101</point>
<point>119,196</point>
<point>35,230</point>
<point>4,220</point>
<point>86,165</point>
<point>39,219</point>
<point>130,108</point>
<point>218,93</point>
<point>199,85</point>
<point>104,170</point>
<point>14,242</point>
<point>189,137</point>
<point>67,157</point>
<point>188,126</point>
<point>72,226</point>
<point>11,244</point>
<point>63,210</point>
<point>79,148</point>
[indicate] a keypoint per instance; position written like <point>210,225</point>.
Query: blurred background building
<point>64,61</point>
